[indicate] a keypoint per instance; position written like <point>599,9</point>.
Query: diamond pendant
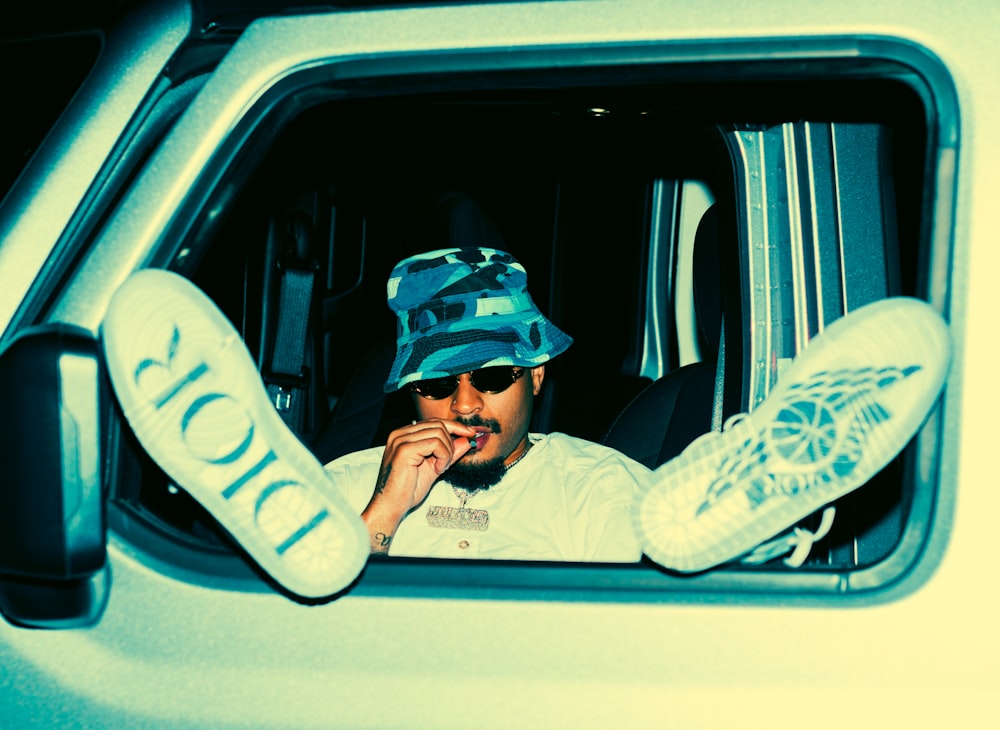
<point>458,518</point>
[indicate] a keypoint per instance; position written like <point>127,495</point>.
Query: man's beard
<point>474,476</point>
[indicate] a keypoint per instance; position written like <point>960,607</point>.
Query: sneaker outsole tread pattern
<point>191,392</point>
<point>847,405</point>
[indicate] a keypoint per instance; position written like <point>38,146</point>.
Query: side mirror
<point>54,410</point>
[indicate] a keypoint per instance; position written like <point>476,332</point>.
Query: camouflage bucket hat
<point>460,309</point>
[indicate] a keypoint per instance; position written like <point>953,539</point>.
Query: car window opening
<point>645,195</point>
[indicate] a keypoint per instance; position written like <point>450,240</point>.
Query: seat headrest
<point>450,219</point>
<point>707,282</point>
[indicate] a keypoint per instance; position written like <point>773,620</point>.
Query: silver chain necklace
<point>527,448</point>
<point>462,517</point>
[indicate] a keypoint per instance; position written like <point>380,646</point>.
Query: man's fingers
<point>460,445</point>
<point>423,428</point>
<point>432,444</point>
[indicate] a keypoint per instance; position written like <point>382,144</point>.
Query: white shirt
<point>567,500</point>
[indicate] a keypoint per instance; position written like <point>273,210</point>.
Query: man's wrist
<point>380,543</point>
<point>381,529</point>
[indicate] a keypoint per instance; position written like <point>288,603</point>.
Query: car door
<point>582,129</point>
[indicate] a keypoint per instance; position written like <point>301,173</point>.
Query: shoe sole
<point>844,408</point>
<point>190,390</point>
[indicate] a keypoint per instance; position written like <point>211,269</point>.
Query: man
<point>466,479</point>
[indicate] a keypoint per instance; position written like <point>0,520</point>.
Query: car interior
<point>584,185</point>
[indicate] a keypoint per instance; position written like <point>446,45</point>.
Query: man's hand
<point>415,456</point>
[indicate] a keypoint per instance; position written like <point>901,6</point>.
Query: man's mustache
<point>478,421</point>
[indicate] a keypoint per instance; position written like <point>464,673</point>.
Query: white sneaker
<point>845,408</point>
<point>189,389</point>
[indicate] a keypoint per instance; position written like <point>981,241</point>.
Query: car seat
<point>689,401</point>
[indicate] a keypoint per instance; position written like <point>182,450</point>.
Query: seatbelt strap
<point>286,376</point>
<point>294,302</point>
<point>720,380</point>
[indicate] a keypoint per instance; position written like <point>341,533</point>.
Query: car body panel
<point>40,207</point>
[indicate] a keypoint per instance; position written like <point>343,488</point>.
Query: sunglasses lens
<point>493,380</point>
<point>486,380</point>
<point>435,388</point>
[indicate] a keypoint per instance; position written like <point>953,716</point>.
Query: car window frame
<point>256,84</point>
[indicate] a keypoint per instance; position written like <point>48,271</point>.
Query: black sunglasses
<point>486,380</point>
